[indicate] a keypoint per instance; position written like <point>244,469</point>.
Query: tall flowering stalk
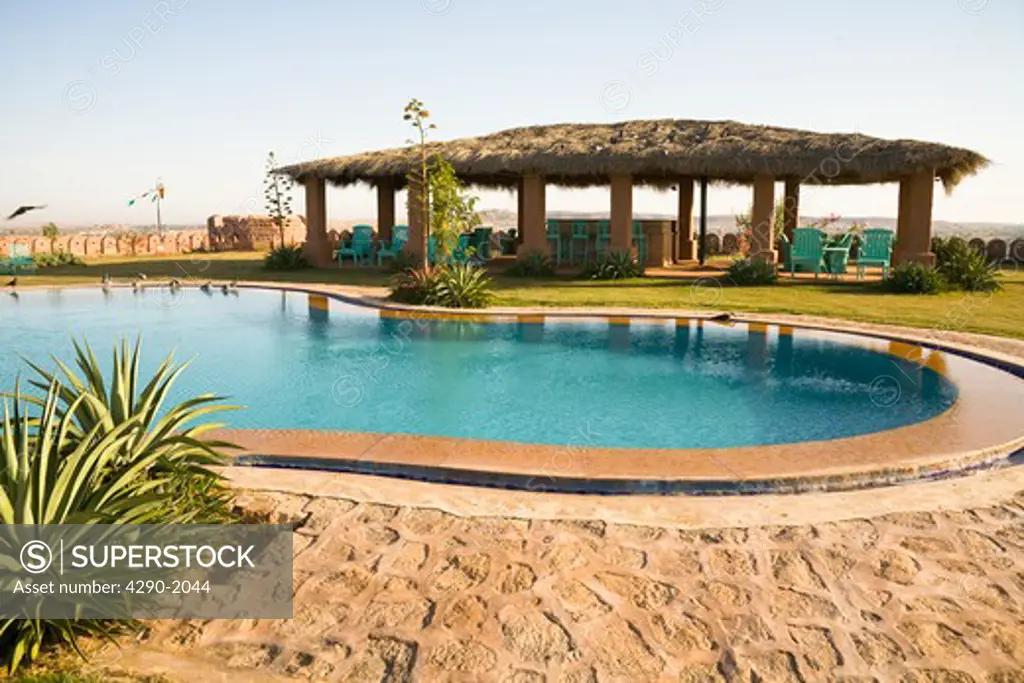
<point>417,114</point>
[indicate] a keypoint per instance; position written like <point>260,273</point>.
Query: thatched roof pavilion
<point>662,154</point>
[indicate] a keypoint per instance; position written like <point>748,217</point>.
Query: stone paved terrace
<point>393,593</point>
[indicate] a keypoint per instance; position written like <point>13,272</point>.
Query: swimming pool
<point>305,362</point>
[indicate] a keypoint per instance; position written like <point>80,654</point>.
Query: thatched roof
<point>657,153</point>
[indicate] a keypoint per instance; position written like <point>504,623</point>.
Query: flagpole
<point>158,198</point>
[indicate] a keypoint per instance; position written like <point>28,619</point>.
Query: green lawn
<point>1000,314</point>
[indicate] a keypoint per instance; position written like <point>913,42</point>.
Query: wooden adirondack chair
<point>875,250</point>
<point>399,238</point>
<point>360,248</point>
<point>807,251</point>
<point>837,255</point>
<point>554,234</point>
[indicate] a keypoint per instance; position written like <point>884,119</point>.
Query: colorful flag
<point>152,195</point>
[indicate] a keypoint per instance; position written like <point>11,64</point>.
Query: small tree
<point>51,231</point>
<point>452,209</point>
<point>277,190</point>
<point>416,113</point>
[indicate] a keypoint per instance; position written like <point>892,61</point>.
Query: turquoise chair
<point>604,238</point>
<point>640,241</point>
<point>875,250</point>
<point>18,258</point>
<point>482,242</point>
<point>837,255</point>
<point>359,248</point>
<point>464,250</point>
<point>807,251</point>
<point>580,236</point>
<point>399,238</point>
<point>784,252</point>
<point>555,235</point>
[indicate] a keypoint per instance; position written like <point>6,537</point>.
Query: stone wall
<point>93,246</point>
<point>248,233</point>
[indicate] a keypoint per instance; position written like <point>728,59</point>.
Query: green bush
<point>533,264</point>
<point>401,262</point>
<point>752,273</point>
<point>83,453</point>
<point>963,267</point>
<point>915,278</point>
<point>57,258</point>
<point>615,265</point>
<point>286,258</point>
<point>455,286</point>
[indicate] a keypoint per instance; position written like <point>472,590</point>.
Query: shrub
<point>416,286</point>
<point>455,286</point>
<point>963,267</point>
<point>615,265</point>
<point>57,258</point>
<point>752,273</point>
<point>81,454</point>
<point>401,262</point>
<point>286,258</point>
<point>915,278</point>
<point>533,264</point>
<point>196,493</point>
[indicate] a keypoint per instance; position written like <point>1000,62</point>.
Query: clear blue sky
<point>100,98</point>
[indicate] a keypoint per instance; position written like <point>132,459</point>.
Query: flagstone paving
<point>389,593</point>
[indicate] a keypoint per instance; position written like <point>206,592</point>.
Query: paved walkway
<point>389,593</point>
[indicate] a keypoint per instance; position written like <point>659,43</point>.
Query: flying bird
<point>25,209</point>
<point>142,276</point>
<point>13,283</point>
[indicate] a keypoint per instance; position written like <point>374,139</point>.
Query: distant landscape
<point>502,219</point>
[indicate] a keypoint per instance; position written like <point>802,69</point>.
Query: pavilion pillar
<point>317,248</point>
<point>621,213</point>
<point>686,246</point>
<point>520,213</point>
<point>914,224</point>
<point>417,221</point>
<point>385,209</point>
<point>791,211</point>
<point>762,218</point>
<point>533,201</point>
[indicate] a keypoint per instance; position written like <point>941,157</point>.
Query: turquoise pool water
<point>295,366</point>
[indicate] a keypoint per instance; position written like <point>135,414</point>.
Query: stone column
<point>520,213</point>
<point>792,208</point>
<point>622,213</point>
<point>385,209</point>
<point>659,243</point>
<point>762,217</point>
<point>317,248</point>
<point>534,213</point>
<point>914,225</point>
<point>417,222</point>
<point>686,246</point>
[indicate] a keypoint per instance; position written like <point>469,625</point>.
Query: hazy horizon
<point>196,94</point>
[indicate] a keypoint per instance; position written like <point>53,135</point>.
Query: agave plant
<point>615,265</point>
<point>172,435</point>
<point>87,454</point>
<point>464,286</point>
<point>52,476</point>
